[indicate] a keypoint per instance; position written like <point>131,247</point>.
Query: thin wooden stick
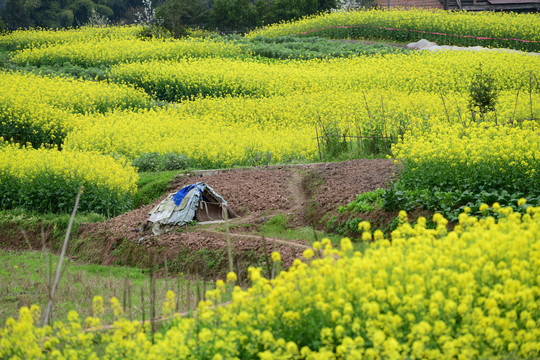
<point>318,142</point>
<point>188,296</point>
<point>26,239</point>
<point>177,294</point>
<point>204,277</point>
<point>530,94</point>
<point>142,304</point>
<point>166,274</point>
<point>153,298</point>
<point>444,104</point>
<point>48,311</point>
<point>198,289</point>
<point>129,301</point>
<point>228,238</point>
<point>367,106</point>
<point>265,249</point>
<point>515,105</point>
<point>124,297</point>
<point>204,289</point>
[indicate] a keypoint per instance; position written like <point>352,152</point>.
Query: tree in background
<point>175,15</point>
<point>178,15</point>
<point>233,15</point>
<point>242,15</point>
<point>14,15</point>
<point>52,13</point>
<point>347,5</point>
<point>82,11</point>
<point>265,12</point>
<point>295,9</point>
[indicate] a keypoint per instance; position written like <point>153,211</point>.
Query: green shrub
<point>154,161</point>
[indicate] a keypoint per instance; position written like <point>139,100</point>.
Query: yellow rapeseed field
<point>473,292</point>
<point>280,127</point>
<point>449,27</point>
<point>48,180</point>
<point>412,72</point>
<point>477,156</point>
<point>21,39</point>
<point>109,51</point>
<point>41,110</point>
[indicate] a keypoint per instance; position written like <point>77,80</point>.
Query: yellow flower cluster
<point>21,39</point>
<point>231,131</point>
<point>110,51</point>
<point>209,140</point>
<point>48,180</point>
<point>472,292</point>
<point>416,72</point>
<point>37,109</point>
<point>70,94</point>
<point>459,157</point>
<point>266,111</point>
<point>481,24</point>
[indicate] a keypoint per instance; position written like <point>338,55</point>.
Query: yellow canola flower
<point>43,177</point>
<point>478,152</point>
<point>276,256</point>
<point>308,254</point>
<point>472,292</point>
<point>20,39</point>
<point>42,110</point>
<point>231,277</point>
<point>482,24</point>
<point>110,51</point>
<point>484,207</point>
<point>449,71</point>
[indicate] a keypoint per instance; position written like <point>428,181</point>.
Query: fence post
<point>318,143</point>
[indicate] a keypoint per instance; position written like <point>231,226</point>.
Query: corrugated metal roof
<point>503,2</point>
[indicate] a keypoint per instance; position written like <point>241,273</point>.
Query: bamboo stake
<point>142,304</point>
<point>153,298</point>
<point>48,310</point>
<point>177,294</point>
<point>166,274</point>
<point>197,287</point>
<point>238,272</point>
<point>265,249</point>
<point>318,142</point>
<point>188,296</point>
<point>124,297</point>
<point>515,105</point>
<point>228,238</point>
<point>129,301</point>
<point>204,289</point>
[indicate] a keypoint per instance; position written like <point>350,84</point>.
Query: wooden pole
<point>48,311</point>
<point>318,142</point>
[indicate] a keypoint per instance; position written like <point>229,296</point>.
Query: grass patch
<point>4,57</point>
<point>151,186</point>
<point>305,48</point>
<point>23,283</point>
<point>97,73</point>
<point>279,227</point>
<point>16,220</point>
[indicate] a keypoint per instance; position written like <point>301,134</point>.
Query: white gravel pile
<point>431,46</point>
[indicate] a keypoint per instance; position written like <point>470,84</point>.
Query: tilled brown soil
<point>307,192</point>
<point>341,182</point>
<point>248,191</point>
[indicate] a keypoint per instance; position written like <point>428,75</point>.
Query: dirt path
<point>269,240</point>
<point>298,196</point>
